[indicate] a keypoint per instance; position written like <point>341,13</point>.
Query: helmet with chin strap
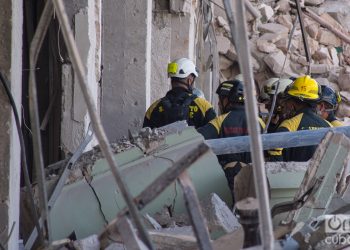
<point>233,90</point>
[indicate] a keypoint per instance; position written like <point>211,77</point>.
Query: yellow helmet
<point>304,88</point>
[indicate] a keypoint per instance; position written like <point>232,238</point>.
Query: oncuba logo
<point>337,223</point>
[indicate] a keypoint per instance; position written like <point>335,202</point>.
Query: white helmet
<point>271,84</point>
<point>182,68</point>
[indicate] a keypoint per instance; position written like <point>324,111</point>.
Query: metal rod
<point>279,80</point>
<point>275,140</point>
<point>303,32</point>
<point>231,20</point>
<point>96,121</point>
<point>251,110</point>
<point>35,47</point>
<point>194,211</point>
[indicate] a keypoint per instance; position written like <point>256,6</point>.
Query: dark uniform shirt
<point>231,124</point>
<point>199,111</point>
<point>305,119</point>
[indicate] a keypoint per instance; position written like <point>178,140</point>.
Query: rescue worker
<point>328,104</point>
<point>300,102</point>
<point>269,90</point>
<point>231,123</point>
<point>179,103</point>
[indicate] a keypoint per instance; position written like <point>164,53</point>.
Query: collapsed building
<point>124,48</point>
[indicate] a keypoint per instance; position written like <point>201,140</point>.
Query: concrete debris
<point>328,38</point>
<point>279,167</point>
<point>313,2</point>
<point>266,12</point>
<point>220,219</point>
<point>152,222</point>
<point>273,28</point>
<point>90,243</point>
<point>174,238</point>
<point>269,37</point>
<point>275,62</point>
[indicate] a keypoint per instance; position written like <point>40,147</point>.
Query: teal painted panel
<point>77,208</point>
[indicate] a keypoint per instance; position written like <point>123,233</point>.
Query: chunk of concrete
<point>327,82</point>
<point>344,79</point>
<point>343,110</point>
<point>174,238</point>
<point>222,22</point>
<point>266,12</point>
<point>328,38</point>
<point>275,62</point>
<point>265,46</point>
<point>270,37</point>
<point>313,45</point>
<point>312,30</point>
<point>90,243</point>
<point>284,6</point>
<point>223,44</point>
<point>321,54</point>
<point>282,44</point>
<point>334,55</point>
<point>224,62</point>
<point>285,20</point>
<point>320,68</point>
<point>220,218</point>
<point>345,95</point>
<point>314,2</point>
<point>273,28</point>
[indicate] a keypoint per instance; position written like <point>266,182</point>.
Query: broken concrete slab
<point>311,27</point>
<point>343,110</point>
<point>273,28</point>
<point>265,46</point>
<point>220,219</point>
<point>140,170</point>
<point>345,96</point>
<point>275,62</point>
<point>224,62</point>
<point>320,68</point>
<point>285,20</point>
<point>270,37</point>
<point>321,54</point>
<point>284,6</point>
<point>174,238</point>
<point>344,79</point>
<point>223,44</point>
<point>89,243</point>
<point>334,55</point>
<point>328,162</point>
<point>314,2</point>
<point>327,37</point>
<point>266,12</point>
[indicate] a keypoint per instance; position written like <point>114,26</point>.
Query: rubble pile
<point>147,140</point>
<point>269,34</point>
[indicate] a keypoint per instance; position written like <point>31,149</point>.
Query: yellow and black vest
<point>231,124</point>
<point>306,119</point>
<point>177,105</point>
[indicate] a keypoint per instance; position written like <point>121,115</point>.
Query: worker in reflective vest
<point>180,103</point>
<point>328,104</point>
<point>231,123</point>
<point>301,98</point>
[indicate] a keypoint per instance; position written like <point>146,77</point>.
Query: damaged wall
<point>86,19</point>
<point>126,63</point>
<point>11,20</point>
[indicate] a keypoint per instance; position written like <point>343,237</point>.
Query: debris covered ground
<point>269,33</point>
